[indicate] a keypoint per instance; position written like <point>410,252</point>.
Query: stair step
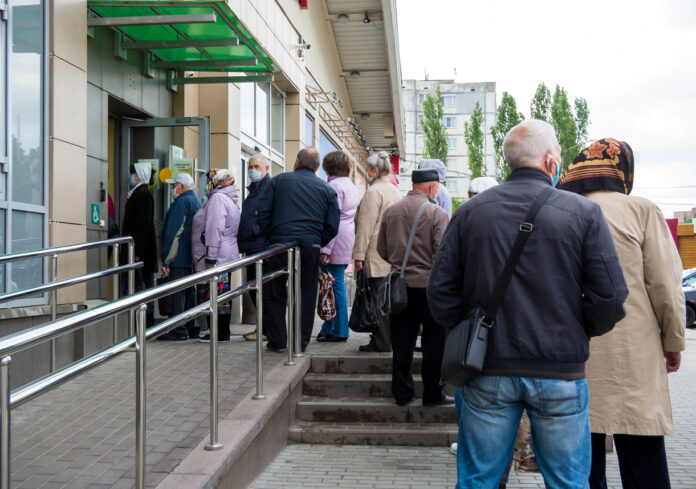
<point>352,385</point>
<point>370,410</point>
<point>366,363</point>
<point>398,434</point>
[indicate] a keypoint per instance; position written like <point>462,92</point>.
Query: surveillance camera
<point>308,46</point>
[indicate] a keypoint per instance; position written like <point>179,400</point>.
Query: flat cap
<point>424,176</point>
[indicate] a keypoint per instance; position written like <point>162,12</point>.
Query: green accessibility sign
<point>96,214</point>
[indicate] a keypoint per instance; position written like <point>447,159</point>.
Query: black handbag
<point>392,295</point>
<point>363,314</point>
<point>466,345</point>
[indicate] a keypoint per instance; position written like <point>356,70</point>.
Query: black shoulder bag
<point>466,345</point>
<point>392,296</point>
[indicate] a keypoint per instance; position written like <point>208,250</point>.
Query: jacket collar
<point>419,194</point>
<point>305,172</point>
<point>256,186</point>
<point>528,174</point>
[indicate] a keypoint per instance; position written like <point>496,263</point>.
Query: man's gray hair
<point>528,142</point>
<point>259,156</point>
<point>308,158</point>
<point>381,161</point>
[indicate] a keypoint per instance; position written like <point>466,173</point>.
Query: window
<point>449,122</point>
<point>261,112</point>
<point>326,146</point>
<point>451,143</point>
<point>451,162</point>
<point>419,142</point>
<point>277,120</point>
<point>421,97</point>
<point>23,193</point>
<point>448,100</point>
<point>309,131</point>
<point>246,103</point>
<point>451,185</point>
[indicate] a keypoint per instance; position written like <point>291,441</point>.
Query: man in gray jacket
<point>391,245</point>
<point>567,287</point>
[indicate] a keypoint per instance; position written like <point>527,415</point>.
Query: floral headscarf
<point>606,164</point>
<point>219,177</point>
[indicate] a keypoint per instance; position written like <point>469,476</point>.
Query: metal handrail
<point>48,332</point>
<point>59,250</point>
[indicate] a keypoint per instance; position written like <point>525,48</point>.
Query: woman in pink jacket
<point>338,253</point>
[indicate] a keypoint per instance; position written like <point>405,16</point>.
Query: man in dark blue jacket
<point>296,206</point>
<point>567,287</point>
<point>176,249</point>
<point>249,237</point>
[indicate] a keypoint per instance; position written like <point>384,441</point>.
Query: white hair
<point>528,142</point>
<point>381,161</point>
<point>259,156</point>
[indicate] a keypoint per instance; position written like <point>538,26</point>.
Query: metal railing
<point>137,343</point>
<point>54,284</point>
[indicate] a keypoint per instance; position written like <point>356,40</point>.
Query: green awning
<point>204,36</point>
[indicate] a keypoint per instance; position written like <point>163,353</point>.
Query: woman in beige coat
<point>380,195</point>
<point>628,367</point>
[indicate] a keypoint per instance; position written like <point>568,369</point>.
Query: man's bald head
<point>308,158</point>
<point>528,145</point>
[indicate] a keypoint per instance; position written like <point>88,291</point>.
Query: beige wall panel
<point>190,142</point>
<point>294,122</point>
<point>291,150</point>
<point>68,105</point>
<point>69,31</point>
<point>67,186</point>
<point>213,102</point>
<point>234,107</point>
<point>69,264</point>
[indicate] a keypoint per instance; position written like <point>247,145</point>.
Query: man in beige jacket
<point>394,234</point>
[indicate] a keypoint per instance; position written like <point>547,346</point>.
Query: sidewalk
<point>369,467</point>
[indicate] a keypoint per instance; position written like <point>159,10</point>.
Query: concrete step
<point>399,434</point>
<point>367,363</point>
<point>370,410</point>
<point>352,385</point>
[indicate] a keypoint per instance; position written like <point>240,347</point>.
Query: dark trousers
<point>275,298</point>
<point>382,337</point>
<point>141,281</point>
<point>642,462</point>
<point>182,301</point>
<point>404,333</point>
<point>203,293</point>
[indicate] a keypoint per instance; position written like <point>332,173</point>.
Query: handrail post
<point>52,277</point>
<point>259,332</point>
<point>140,398</point>
<point>5,422</point>
<point>291,304</point>
<point>298,305</point>
<point>131,285</point>
<point>214,443</point>
<point>114,252</point>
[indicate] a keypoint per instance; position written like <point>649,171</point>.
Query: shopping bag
<point>363,314</point>
<point>326,305</point>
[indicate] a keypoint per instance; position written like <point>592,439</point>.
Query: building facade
<point>96,85</point>
<point>459,100</point>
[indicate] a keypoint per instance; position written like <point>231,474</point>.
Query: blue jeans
<point>489,410</point>
<point>338,326</point>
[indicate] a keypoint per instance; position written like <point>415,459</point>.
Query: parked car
<point>689,288</point>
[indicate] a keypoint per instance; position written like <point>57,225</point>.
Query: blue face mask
<point>254,175</point>
<point>557,175</point>
<point>131,180</point>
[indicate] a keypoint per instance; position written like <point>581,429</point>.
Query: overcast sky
<point>634,61</point>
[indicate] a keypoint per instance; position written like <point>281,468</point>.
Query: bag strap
<point>412,235</point>
<point>526,228</point>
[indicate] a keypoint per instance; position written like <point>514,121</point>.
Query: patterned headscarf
<point>219,177</point>
<point>606,164</point>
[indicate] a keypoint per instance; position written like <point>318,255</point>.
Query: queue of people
<point>590,323</point>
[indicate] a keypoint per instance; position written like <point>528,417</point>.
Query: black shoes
<point>329,338</point>
<point>445,401</point>
<point>372,347</point>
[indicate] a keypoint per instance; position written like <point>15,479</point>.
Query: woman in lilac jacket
<point>214,236</point>
<point>337,254</point>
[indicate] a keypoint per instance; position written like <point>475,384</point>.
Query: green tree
<point>563,121</point>
<point>473,135</point>
<point>582,120</point>
<point>508,117</point>
<point>456,203</point>
<point>435,144</point>
<point>540,107</point>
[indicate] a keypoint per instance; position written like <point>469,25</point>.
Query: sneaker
<point>453,448</point>
<point>206,339</point>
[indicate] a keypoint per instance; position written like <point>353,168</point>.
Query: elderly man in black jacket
<point>567,287</point>
<point>296,206</point>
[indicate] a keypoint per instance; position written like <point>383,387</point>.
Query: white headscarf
<point>143,170</point>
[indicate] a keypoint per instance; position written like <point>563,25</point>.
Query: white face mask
<point>254,175</point>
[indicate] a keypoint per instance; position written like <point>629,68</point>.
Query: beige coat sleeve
<point>382,248</point>
<point>440,222</point>
<point>662,269</point>
<point>365,220</point>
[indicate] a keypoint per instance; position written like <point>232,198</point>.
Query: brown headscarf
<point>606,164</point>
